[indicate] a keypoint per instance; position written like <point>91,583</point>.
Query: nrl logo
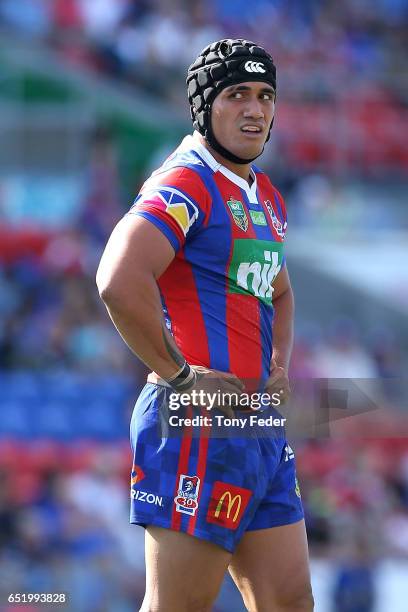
<point>279,227</point>
<point>238,213</point>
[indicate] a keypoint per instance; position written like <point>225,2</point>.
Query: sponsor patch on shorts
<point>187,494</point>
<point>146,497</point>
<point>227,504</point>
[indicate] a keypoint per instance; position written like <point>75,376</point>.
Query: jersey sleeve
<point>176,202</point>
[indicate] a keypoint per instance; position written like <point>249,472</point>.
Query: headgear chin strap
<point>221,64</point>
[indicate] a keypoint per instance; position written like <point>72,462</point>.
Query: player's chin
<point>250,148</point>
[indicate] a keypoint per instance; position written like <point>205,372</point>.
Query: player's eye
<point>236,95</point>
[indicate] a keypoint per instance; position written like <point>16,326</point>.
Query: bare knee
<point>196,605</point>
<point>296,601</point>
<point>197,602</point>
<point>200,604</point>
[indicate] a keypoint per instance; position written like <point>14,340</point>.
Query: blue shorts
<point>212,483</point>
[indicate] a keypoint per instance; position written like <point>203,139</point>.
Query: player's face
<point>241,116</point>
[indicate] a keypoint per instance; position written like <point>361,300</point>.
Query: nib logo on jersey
<point>254,266</point>
<point>186,500</point>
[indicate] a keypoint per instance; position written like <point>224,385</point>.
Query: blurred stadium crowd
<point>63,506</point>
<point>343,61</point>
<point>358,43</point>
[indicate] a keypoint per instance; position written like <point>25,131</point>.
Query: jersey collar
<point>190,142</point>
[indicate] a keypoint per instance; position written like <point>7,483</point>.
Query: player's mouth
<point>252,130</point>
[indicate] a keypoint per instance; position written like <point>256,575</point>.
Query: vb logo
<point>254,67</point>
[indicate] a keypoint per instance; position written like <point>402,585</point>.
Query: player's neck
<point>241,170</point>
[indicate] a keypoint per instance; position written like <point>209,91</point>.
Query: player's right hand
<point>216,384</point>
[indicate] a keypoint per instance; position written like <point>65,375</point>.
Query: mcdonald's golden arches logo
<point>230,503</point>
<point>227,504</point>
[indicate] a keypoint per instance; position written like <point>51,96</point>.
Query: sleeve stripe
<point>170,233</point>
<point>179,198</point>
<point>173,190</point>
<point>192,181</point>
<point>177,202</point>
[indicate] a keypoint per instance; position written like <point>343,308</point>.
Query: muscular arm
<point>283,303</point>
<point>136,255</point>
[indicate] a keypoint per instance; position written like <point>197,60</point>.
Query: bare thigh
<point>271,569</point>
<point>183,573</point>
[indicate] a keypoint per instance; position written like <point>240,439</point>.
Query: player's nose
<point>254,109</point>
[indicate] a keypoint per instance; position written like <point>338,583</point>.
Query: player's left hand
<point>278,382</point>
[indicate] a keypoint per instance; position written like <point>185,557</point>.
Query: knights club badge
<point>279,227</point>
<point>238,213</point>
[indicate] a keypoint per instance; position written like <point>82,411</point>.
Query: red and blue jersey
<point>228,239</point>
<point>217,299</point>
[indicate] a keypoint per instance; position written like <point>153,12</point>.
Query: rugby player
<point>195,281</point>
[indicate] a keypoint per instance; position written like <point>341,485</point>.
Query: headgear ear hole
<point>225,49</point>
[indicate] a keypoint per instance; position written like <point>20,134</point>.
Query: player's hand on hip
<point>224,387</point>
<point>278,382</point>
